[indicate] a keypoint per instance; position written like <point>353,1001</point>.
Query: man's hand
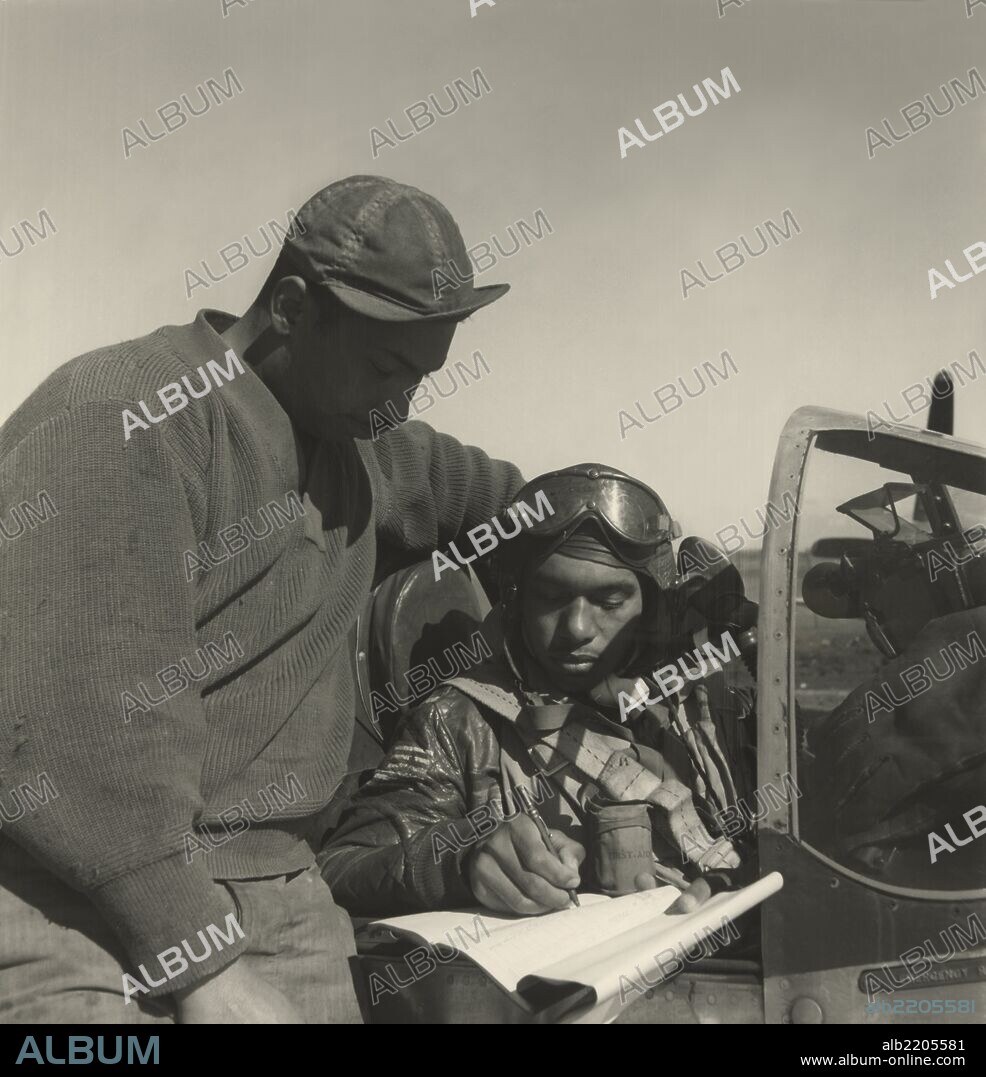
<point>513,871</point>
<point>697,894</point>
<point>235,996</point>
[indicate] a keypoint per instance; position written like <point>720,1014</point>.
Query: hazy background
<point>838,316</point>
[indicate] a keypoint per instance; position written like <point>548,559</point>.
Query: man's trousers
<point>60,961</point>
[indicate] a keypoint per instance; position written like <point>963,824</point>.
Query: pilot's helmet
<point>596,513</point>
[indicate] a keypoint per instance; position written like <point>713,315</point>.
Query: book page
<point>644,954</point>
<point>511,947</point>
<point>599,945</point>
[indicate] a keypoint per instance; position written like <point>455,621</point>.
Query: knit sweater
<point>149,561</point>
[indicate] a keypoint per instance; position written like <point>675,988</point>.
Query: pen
<point>535,816</point>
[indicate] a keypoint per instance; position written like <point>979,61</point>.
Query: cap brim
<point>388,310</point>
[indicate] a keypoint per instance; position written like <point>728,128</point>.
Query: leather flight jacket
<point>452,774</point>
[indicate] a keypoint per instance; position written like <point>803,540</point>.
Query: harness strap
<point>498,698</point>
<point>558,734</point>
<point>561,730</point>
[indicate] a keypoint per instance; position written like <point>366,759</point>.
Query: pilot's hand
<point>697,894</point>
<point>513,870</point>
<point>688,901</point>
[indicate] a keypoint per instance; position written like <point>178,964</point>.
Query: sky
<point>839,315</point>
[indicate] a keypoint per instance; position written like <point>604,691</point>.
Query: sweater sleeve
<point>403,840</point>
<point>93,605</point>
<point>430,488</point>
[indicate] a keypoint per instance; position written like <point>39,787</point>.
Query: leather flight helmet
<point>633,519</point>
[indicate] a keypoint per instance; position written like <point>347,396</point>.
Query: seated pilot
<point>551,725</point>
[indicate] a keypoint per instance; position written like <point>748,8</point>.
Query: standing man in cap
<point>172,627</point>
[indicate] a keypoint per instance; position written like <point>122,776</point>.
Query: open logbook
<point>581,965</point>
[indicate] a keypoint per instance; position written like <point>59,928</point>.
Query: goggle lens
<point>632,512</point>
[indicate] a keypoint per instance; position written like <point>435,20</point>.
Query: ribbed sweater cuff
<point>164,906</point>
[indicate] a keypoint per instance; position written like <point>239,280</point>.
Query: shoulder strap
<point>491,691</point>
<point>559,734</point>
